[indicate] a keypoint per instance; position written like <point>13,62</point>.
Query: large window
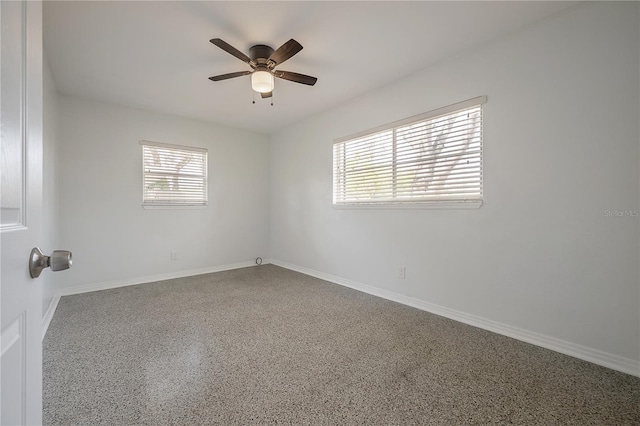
<point>173,175</point>
<point>432,158</point>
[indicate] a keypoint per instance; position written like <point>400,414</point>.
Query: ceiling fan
<point>263,60</point>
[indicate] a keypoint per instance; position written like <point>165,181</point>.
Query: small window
<point>173,175</point>
<point>433,158</point>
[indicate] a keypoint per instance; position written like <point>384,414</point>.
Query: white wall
<point>112,237</point>
<point>561,148</point>
<point>50,184</point>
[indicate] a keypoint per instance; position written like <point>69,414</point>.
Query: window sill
<point>428,205</point>
<point>172,207</point>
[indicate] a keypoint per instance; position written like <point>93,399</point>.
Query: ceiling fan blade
<point>266,95</point>
<point>285,51</point>
<point>230,75</point>
<point>294,76</point>
<point>230,49</point>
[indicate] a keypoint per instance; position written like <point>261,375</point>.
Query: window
<point>173,175</point>
<point>433,158</point>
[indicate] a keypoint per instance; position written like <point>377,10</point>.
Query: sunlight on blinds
<point>174,175</point>
<point>431,158</point>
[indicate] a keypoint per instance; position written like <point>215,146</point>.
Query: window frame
<point>473,202</point>
<point>169,204</point>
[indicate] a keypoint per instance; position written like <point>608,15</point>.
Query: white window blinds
<point>433,157</point>
<point>173,174</point>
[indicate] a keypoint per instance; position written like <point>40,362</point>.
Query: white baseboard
<point>48,316</point>
<point>106,285</point>
<point>595,356</point>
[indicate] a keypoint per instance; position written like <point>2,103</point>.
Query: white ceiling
<point>157,55</point>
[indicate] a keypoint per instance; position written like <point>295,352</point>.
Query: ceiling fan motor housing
<point>260,53</point>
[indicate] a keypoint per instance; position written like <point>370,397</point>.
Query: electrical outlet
<point>401,272</point>
<point>174,255</point>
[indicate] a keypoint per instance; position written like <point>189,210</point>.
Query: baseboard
<point>595,356</point>
<point>106,285</point>
<point>48,316</point>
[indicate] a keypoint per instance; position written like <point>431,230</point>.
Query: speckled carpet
<point>266,345</point>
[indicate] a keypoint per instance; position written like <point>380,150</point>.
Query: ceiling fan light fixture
<point>262,81</point>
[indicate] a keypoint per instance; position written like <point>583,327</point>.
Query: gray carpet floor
<point>266,345</point>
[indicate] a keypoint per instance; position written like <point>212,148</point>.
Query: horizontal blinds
<point>173,174</point>
<point>438,158</point>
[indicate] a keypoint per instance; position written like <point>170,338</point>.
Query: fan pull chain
<point>254,96</point>
<point>272,98</point>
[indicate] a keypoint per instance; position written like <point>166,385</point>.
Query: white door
<point>21,211</point>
